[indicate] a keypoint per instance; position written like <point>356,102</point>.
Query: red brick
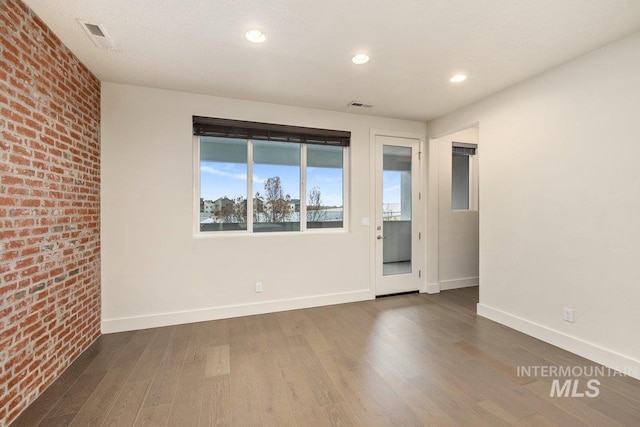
<point>11,180</point>
<point>11,115</point>
<point>23,223</point>
<point>13,59</point>
<point>8,255</point>
<point>21,109</point>
<point>31,203</point>
<point>33,124</point>
<point>44,141</point>
<point>29,133</point>
<point>8,201</point>
<point>7,234</point>
<point>18,84</point>
<point>21,151</point>
<point>30,271</point>
<point>24,263</point>
<point>19,160</point>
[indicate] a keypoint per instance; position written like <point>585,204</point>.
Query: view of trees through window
<point>274,182</point>
<point>324,186</point>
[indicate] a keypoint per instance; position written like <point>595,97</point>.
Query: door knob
<point>380,237</point>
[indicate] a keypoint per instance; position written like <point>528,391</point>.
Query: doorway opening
<point>454,212</point>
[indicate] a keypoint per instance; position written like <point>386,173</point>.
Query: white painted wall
<point>458,230</point>
<point>559,192</point>
<point>155,272</point>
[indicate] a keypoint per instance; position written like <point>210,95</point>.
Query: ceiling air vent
<point>357,104</point>
<point>98,35</point>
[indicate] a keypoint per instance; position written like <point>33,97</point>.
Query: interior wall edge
<point>433,288</point>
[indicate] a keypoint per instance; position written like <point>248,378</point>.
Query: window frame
<point>304,230</point>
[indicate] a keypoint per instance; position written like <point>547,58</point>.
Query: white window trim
<point>473,183</point>
<point>303,187</point>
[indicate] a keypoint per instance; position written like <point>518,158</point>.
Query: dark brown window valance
<point>464,148</point>
<point>239,129</point>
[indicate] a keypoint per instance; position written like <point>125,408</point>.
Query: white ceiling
<point>415,46</point>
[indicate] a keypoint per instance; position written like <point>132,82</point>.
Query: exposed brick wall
<point>49,208</point>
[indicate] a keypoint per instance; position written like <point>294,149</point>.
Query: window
<point>276,168</point>
<point>223,184</point>
<point>293,177</point>
<point>462,182</point>
<point>325,183</point>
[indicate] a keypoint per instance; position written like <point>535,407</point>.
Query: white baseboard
<point>582,348</point>
<point>433,288</point>
<point>446,285</point>
<point>467,282</point>
<point>226,312</point>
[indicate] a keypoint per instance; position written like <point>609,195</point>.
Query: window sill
<point>246,234</point>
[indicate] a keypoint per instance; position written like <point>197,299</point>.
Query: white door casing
<point>399,211</point>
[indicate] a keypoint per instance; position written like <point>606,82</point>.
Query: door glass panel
<point>396,210</point>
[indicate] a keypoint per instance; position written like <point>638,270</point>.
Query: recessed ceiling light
<point>458,78</point>
<point>255,36</point>
<point>360,58</point>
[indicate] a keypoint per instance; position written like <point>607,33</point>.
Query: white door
<point>398,210</point>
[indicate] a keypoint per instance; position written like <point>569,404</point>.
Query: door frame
<point>433,189</point>
<point>420,220</point>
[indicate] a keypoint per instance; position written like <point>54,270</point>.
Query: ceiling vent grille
<point>358,104</point>
<point>98,35</point>
<point>94,30</point>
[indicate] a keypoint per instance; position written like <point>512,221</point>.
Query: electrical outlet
<point>567,315</point>
<point>258,286</point>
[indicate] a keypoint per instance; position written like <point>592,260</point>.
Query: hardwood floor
<point>410,360</point>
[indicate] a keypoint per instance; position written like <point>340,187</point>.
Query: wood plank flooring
<point>410,360</point>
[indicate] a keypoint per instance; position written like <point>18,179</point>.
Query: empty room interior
<point>296,213</point>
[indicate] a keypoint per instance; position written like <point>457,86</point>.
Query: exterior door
<point>398,268</point>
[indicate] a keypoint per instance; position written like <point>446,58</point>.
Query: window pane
<point>276,186</point>
<point>325,205</point>
<point>223,184</point>
<point>396,183</point>
<point>460,182</point>
<point>396,210</point>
